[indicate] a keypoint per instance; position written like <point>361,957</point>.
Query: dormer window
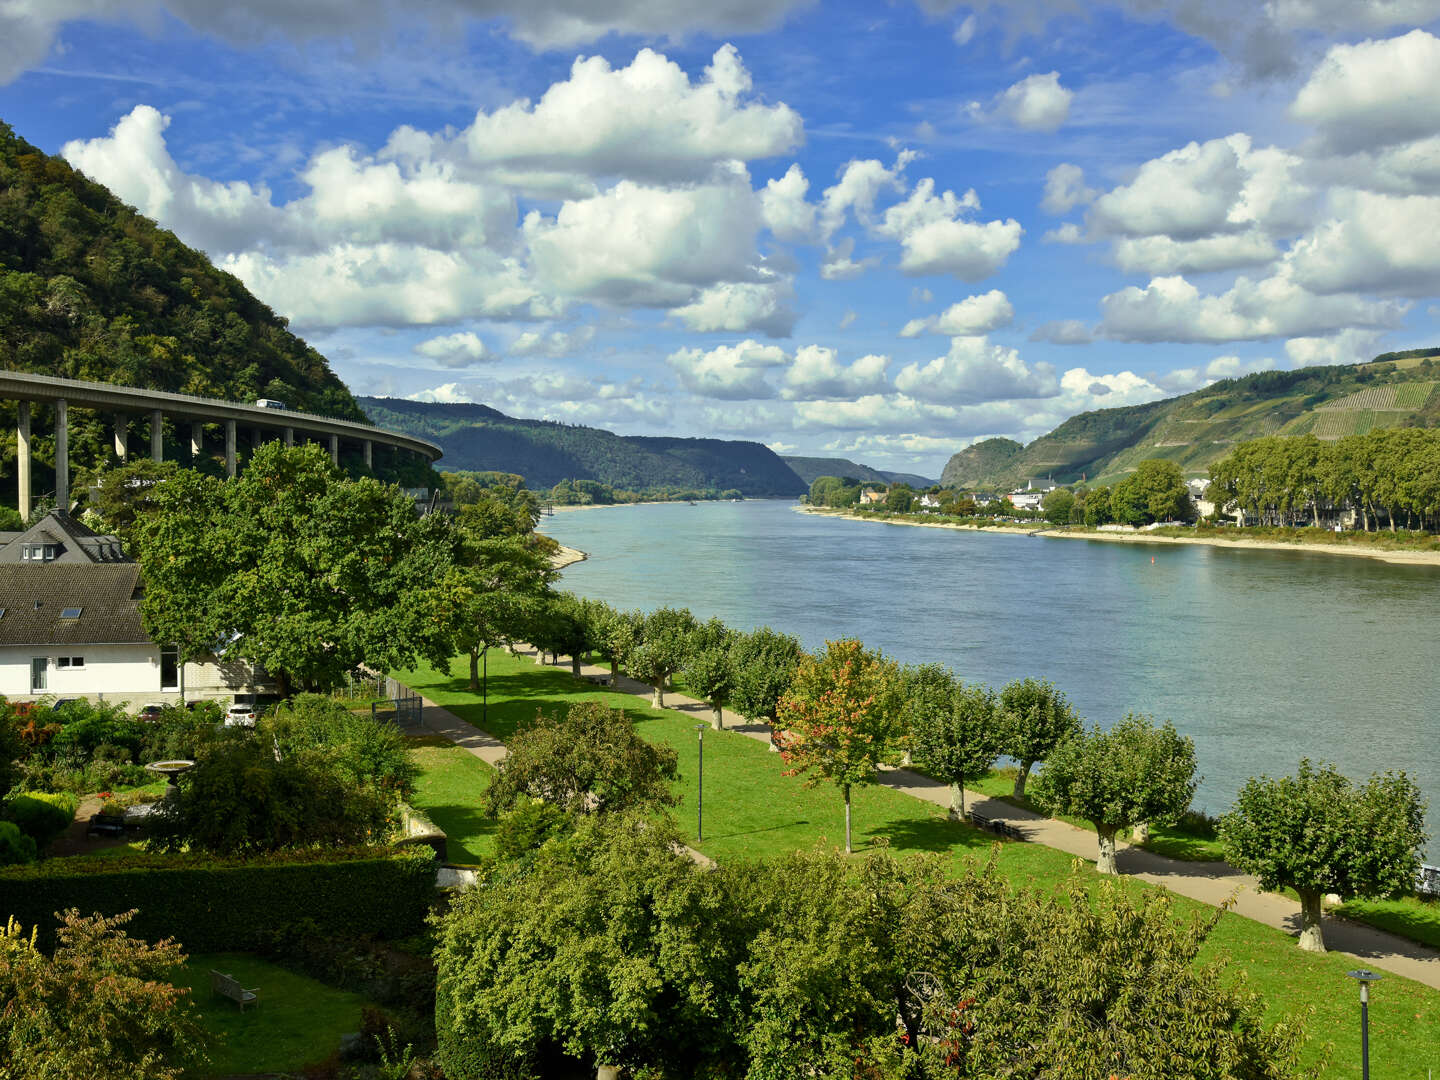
<point>40,552</point>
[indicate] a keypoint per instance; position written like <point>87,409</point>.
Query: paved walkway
<point>1209,882</point>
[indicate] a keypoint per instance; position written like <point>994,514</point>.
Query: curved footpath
<point>1208,882</point>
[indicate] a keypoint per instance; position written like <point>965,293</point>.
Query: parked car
<point>238,715</point>
<point>61,702</point>
<point>150,711</point>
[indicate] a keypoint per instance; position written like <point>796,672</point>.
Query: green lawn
<point>448,792</point>
<point>753,810</point>
<point>1413,917</point>
<point>297,1021</point>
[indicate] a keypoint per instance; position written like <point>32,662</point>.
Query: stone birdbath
<point>170,770</point>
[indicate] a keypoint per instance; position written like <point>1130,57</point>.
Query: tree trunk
<point>1312,937</point>
<point>846,789</point>
<point>717,717</point>
<point>539,656</point>
<point>1105,864</point>
<point>657,699</point>
<point>957,802</point>
<point>474,671</point>
<point>614,670</point>
<point>1140,832</point>
<point>575,665</point>
<point>1020,778</point>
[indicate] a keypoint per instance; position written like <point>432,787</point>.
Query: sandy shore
<point>1409,558</point>
<point>567,556</point>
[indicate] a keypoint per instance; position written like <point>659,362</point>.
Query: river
<point>1262,657</point>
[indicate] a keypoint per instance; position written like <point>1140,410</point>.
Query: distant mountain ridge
<point>1196,429</point>
<point>809,468</point>
<point>545,452</point>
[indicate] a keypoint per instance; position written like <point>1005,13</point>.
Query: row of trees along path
<point>1209,882</point>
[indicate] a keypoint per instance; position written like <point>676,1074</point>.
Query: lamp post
<point>700,786</point>
<point>1365,978</point>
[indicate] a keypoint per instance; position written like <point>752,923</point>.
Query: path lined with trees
<point>1212,883</point>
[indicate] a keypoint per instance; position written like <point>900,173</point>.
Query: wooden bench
<point>106,825</point>
<point>226,986</point>
<point>996,825</point>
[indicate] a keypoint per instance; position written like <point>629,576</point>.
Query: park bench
<point>226,986</point>
<point>996,825</point>
<point>106,825</point>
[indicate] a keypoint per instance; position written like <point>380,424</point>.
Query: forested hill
<point>545,452</point>
<point>810,468</point>
<point>90,289</point>
<point>1393,390</point>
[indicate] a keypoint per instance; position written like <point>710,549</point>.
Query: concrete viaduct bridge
<point>127,402</point>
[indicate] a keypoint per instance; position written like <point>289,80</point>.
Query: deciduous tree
<point>952,729</point>
<point>101,1005</point>
<point>765,661</point>
<point>1134,772</point>
<point>1318,833</point>
<point>709,669</point>
<point>664,642</point>
<point>841,718</point>
<point>588,759</point>
<point>1034,718</point>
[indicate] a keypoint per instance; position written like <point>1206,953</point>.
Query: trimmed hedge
<point>41,815</point>
<point>213,904</point>
<point>15,846</point>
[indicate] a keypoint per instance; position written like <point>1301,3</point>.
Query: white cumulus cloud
<point>730,372</point>
<point>458,350</point>
<point>975,370</point>
<point>1036,103</point>
<point>971,316</point>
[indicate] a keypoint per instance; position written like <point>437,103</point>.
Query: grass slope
<point>452,781</point>
<point>298,1021</point>
<point>753,810</point>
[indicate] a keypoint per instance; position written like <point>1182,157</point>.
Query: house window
<point>70,662</point>
<point>170,668</point>
<point>39,666</point>
<point>39,552</point>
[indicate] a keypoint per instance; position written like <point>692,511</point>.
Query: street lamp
<point>1365,978</point>
<point>700,786</point>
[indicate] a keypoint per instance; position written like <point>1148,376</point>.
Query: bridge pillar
<point>62,457</point>
<point>197,440</point>
<point>334,449</point>
<point>289,436</point>
<point>369,453</point>
<point>157,435</point>
<point>122,436</point>
<point>230,448</point>
<point>22,459</point>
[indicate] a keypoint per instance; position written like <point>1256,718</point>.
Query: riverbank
<point>567,556</point>
<point>1410,558</point>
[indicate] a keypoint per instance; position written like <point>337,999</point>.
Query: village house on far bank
<point>70,625</point>
<point>872,497</point>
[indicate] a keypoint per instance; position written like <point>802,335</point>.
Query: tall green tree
<point>124,493</point>
<point>1318,833</point>
<point>664,643</point>
<point>841,718</point>
<point>1034,718</point>
<point>765,662</point>
<point>1135,772</point>
<point>294,567</point>
<point>710,669</point>
<point>958,740</point>
<point>1155,491</point>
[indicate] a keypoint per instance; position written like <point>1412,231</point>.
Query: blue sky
<point>873,230</point>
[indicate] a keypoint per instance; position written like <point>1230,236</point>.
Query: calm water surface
<point>1262,657</point>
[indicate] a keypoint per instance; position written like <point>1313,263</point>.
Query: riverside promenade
<point>1209,882</point>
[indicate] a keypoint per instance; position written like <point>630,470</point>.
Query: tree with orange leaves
<point>841,718</point>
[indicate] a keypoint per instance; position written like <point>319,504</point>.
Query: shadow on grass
<point>464,827</point>
<point>935,834</point>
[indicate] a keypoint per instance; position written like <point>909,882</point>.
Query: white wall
<point>119,672</point>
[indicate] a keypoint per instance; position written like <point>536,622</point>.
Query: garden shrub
<point>15,846</point>
<point>215,904</point>
<point>363,751</point>
<point>41,815</point>
<point>239,799</point>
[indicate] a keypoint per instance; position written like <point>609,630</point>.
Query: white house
<point>1026,500</point>
<point>70,624</point>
